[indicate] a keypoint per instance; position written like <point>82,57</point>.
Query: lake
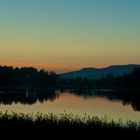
<point>92,102</point>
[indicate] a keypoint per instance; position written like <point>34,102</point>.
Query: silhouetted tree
<point>26,76</point>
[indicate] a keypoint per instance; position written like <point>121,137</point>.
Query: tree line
<point>27,76</point>
<point>30,76</point>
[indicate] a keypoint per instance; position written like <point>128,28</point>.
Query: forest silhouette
<point>26,76</point>
<point>31,77</point>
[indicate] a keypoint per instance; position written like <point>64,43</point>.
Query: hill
<point>92,73</point>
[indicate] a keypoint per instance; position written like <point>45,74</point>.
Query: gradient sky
<point>69,34</point>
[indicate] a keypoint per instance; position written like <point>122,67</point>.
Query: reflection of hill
<point>27,97</point>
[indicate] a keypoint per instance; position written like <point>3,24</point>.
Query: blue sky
<point>68,34</point>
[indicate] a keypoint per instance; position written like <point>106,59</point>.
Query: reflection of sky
<point>78,105</point>
<point>54,34</point>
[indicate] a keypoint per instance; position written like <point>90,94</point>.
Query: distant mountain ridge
<point>92,73</point>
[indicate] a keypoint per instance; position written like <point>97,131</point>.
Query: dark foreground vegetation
<point>40,122</point>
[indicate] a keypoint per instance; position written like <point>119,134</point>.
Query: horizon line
<point>66,70</point>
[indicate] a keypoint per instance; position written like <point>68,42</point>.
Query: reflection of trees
<point>28,97</point>
<point>136,105</point>
<point>128,98</point>
<point>32,96</point>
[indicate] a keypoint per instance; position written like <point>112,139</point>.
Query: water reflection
<point>32,96</point>
<point>27,96</point>
<point>126,97</point>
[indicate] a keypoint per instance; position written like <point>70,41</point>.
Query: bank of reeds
<point>66,122</point>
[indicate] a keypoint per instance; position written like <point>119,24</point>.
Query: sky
<point>64,35</point>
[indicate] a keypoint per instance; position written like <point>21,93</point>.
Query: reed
<point>65,120</point>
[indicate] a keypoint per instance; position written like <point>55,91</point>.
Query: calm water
<point>90,102</point>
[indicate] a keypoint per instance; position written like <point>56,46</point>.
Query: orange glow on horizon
<point>56,67</point>
<point>59,68</point>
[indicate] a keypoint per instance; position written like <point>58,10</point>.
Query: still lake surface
<point>91,102</point>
